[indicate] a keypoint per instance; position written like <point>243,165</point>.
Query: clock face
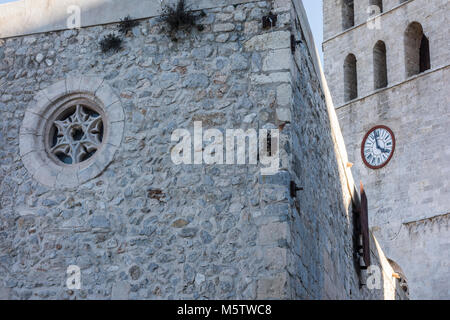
<point>378,147</point>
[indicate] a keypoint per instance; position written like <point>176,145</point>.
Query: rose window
<point>71,131</point>
<point>76,135</point>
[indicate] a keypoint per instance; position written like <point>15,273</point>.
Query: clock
<point>378,147</point>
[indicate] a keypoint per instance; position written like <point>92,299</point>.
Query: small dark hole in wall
<point>269,21</point>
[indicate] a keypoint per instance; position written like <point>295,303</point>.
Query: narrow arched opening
<point>350,78</point>
<point>348,14</point>
<point>417,50</point>
<point>380,65</point>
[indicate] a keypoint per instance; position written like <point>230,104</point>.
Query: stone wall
<point>322,212</point>
<point>412,190</point>
<point>146,228</point>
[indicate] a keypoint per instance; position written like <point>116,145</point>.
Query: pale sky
<point>314,11</point>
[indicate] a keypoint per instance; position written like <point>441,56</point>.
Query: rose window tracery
<point>71,131</point>
<point>76,135</point>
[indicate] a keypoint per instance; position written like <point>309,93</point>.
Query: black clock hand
<point>376,139</point>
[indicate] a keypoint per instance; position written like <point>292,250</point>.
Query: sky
<point>314,11</point>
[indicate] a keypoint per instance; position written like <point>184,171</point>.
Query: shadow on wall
<point>326,214</point>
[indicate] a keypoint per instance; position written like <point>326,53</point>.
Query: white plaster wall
<point>34,16</point>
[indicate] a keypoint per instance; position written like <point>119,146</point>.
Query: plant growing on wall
<point>111,42</point>
<point>180,18</point>
<point>127,24</point>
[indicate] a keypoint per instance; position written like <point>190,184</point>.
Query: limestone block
<point>115,133</point>
<point>284,94</point>
<point>120,291</point>
<point>105,155</point>
<point>73,84</point>
<point>281,5</point>
<point>30,123</point>
<point>90,84</point>
<point>273,232</point>
<point>67,178</point>
<point>5,293</point>
<point>27,143</point>
<point>114,112</point>
<point>276,77</point>
<point>268,41</point>
<point>106,95</point>
<point>272,287</point>
<point>56,90</point>
<point>284,114</point>
<point>39,103</point>
<point>274,258</point>
<point>223,27</point>
<point>277,60</point>
<point>89,172</point>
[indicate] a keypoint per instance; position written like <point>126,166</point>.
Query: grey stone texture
<point>409,199</point>
<point>149,229</point>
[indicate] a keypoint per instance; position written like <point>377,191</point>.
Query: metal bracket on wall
<point>294,43</point>
<point>269,21</point>
<point>294,189</point>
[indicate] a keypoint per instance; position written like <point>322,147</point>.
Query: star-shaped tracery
<point>77,136</point>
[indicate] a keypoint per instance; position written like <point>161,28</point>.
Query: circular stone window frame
<point>33,137</point>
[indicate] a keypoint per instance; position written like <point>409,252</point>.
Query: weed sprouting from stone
<point>127,24</point>
<point>111,42</point>
<point>180,18</point>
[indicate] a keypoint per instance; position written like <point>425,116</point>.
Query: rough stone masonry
<point>144,228</point>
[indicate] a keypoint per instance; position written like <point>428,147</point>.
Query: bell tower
<point>387,66</point>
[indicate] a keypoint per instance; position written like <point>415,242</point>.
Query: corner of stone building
<point>292,249</point>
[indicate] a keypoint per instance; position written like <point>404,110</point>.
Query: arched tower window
<point>380,65</point>
<point>350,78</point>
<point>348,14</point>
<point>379,4</point>
<point>417,50</point>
